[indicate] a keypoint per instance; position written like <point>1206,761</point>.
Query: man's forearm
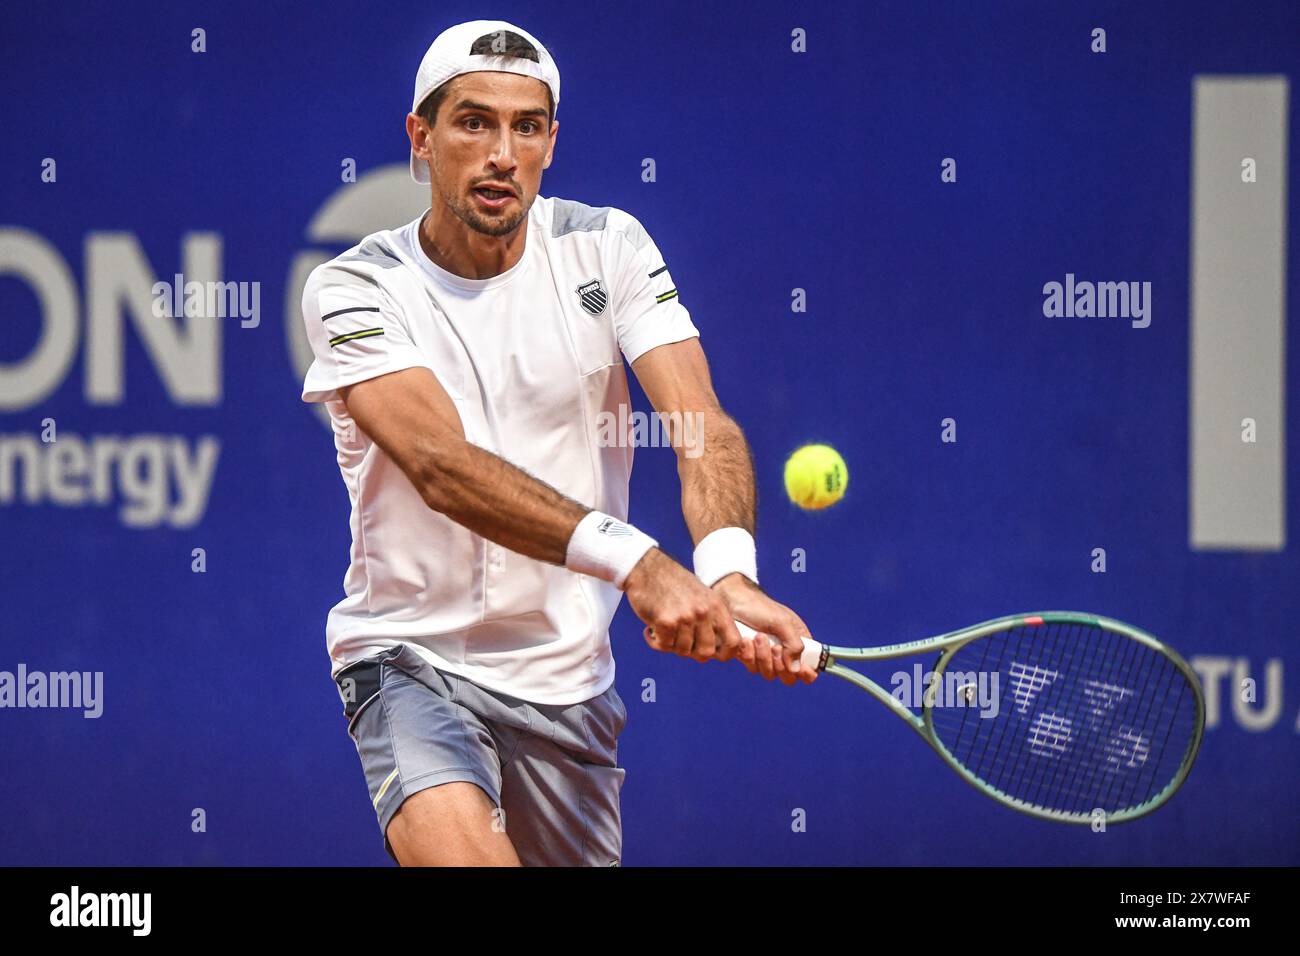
<point>501,502</point>
<point>718,484</point>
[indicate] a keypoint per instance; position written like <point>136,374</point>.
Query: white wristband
<point>723,552</point>
<point>605,547</point>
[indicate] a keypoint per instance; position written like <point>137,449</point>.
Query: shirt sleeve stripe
<point>360,308</point>
<point>349,336</point>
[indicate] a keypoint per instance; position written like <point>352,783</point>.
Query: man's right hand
<point>682,615</point>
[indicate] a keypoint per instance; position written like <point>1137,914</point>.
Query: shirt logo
<point>593,296</point>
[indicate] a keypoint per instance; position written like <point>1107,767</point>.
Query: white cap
<point>449,56</point>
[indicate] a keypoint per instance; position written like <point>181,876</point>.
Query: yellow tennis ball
<point>815,476</point>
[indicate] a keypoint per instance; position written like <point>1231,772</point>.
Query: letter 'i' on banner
<point>1237,483</point>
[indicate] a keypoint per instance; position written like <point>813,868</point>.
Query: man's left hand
<point>750,605</point>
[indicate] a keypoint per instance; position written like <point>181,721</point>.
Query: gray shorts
<point>552,768</point>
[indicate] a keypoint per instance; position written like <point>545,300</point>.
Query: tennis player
<point>466,359</point>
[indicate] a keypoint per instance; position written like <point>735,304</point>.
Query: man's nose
<point>503,151</point>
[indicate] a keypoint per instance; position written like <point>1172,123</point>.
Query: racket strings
<point>1127,748</point>
<point>1046,731</point>
<point>1085,718</point>
<point>1060,776</point>
<point>1142,785</point>
<point>1051,780</point>
<point>992,763</point>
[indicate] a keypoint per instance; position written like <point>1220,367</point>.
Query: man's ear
<point>413,124</point>
<point>555,129</point>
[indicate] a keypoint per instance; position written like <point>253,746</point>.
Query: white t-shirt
<point>531,359</point>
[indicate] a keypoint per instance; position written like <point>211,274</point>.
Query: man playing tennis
<point>464,359</point>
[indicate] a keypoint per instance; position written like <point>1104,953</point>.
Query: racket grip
<point>812,651</point>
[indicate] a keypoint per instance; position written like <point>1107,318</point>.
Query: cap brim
<point>419,170</point>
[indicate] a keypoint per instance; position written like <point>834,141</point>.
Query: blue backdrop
<point>775,171</point>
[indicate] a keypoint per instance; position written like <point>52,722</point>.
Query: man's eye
<point>531,125</point>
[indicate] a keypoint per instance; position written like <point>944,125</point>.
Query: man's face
<point>490,128</point>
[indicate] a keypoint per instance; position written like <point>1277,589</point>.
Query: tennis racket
<point>1061,715</point>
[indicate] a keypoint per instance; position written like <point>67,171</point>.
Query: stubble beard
<point>487,225</point>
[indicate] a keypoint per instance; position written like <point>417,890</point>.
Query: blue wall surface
<point>775,171</point>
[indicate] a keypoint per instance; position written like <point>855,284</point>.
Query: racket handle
<point>812,651</point>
